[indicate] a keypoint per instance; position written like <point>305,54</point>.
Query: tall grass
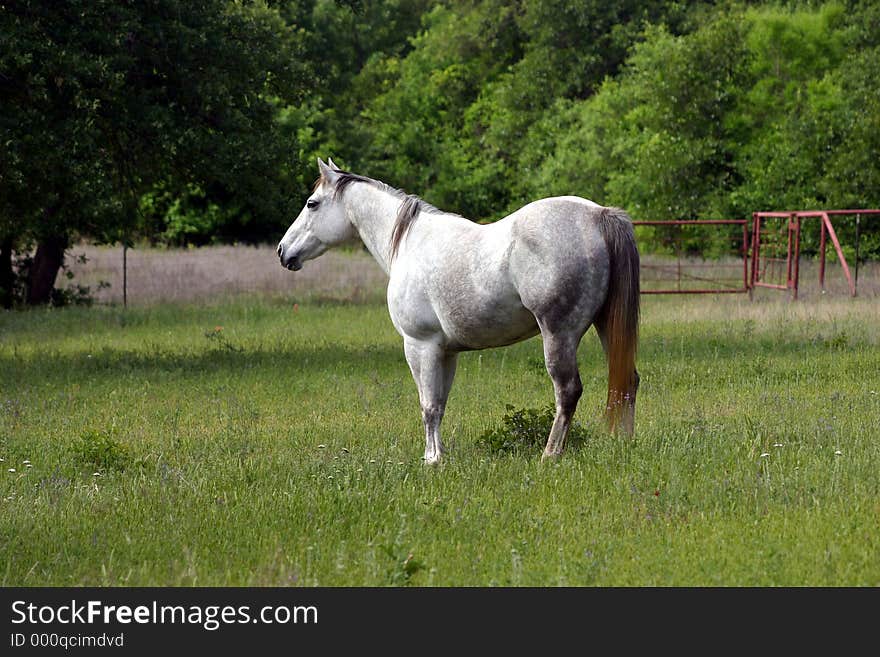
<point>254,442</point>
<point>181,275</point>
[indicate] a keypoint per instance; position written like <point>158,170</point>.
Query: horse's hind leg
<point>433,371</point>
<point>560,357</point>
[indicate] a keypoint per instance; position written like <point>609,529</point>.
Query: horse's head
<point>322,223</point>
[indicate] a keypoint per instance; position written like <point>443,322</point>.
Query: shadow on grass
<point>84,367</point>
<point>284,359</point>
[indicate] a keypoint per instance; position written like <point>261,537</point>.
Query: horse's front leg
<point>433,370</point>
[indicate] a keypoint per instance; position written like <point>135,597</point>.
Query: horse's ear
<point>333,164</point>
<point>327,172</point>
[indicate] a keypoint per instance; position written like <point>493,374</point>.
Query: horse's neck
<point>373,211</point>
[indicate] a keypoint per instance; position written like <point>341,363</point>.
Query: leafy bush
<point>526,428</point>
<point>190,218</point>
<point>74,294</point>
<point>102,450</point>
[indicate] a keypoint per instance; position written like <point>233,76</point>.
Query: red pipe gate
<point>774,256</point>
<point>769,255</point>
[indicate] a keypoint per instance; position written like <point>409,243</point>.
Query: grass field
<point>252,441</point>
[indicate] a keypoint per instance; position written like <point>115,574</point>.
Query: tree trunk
<point>44,269</point>
<point>7,275</point>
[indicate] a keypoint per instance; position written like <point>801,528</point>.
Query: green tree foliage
<point>455,118</point>
<point>416,125</point>
<point>351,46</point>
<point>794,57</point>
<point>755,109</point>
<point>103,100</point>
<point>669,110</point>
<point>655,141</point>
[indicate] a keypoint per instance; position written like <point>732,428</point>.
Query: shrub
<point>102,450</point>
<point>525,428</point>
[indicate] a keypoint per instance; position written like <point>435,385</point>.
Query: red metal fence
<point>776,243</point>
<point>692,276</point>
<point>769,257</point>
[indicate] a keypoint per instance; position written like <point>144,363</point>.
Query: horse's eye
<point>312,204</point>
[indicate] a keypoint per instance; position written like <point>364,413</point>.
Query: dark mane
<point>410,206</point>
<point>406,216</point>
<point>346,179</point>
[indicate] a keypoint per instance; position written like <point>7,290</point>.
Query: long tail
<point>621,311</point>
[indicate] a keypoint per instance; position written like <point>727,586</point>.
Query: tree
<point>414,125</point>
<point>763,108</point>
<point>657,139</point>
<point>103,100</point>
<point>353,46</point>
<point>455,117</point>
<point>782,153</point>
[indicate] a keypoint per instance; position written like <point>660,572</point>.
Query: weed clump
<point>525,428</point>
<point>403,567</point>
<point>102,450</point>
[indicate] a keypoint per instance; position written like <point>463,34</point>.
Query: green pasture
<point>254,443</point>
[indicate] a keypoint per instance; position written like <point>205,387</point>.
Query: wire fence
<point>685,257</point>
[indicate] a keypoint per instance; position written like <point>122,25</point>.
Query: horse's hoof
<point>433,459</point>
<point>550,457</point>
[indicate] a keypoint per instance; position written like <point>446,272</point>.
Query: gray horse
<point>556,266</point>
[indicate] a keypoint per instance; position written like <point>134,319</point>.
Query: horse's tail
<point>620,314</point>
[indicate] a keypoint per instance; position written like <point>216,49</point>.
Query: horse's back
<point>485,285</point>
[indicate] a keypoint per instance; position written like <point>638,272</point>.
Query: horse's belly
<point>461,298</point>
<point>472,326</point>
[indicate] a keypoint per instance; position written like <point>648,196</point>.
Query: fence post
<point>826,221</point>
<point>745,256</point>
<point>822,238</point>
<point>856,277</point>
<point>678,253</point>
<point>797,254</point>
<point>125,275</point>
<point>756,242</point>
<point>789,279</point>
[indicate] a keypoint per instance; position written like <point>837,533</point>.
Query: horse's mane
<point>410,205</point>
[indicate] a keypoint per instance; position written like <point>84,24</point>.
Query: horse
<point>555,266</point>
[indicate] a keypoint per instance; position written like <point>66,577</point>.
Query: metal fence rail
<point>683,271</point>
<point>769,257</point>
<point>768,253</point>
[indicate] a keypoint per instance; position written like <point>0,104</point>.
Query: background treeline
<point>194,122</point>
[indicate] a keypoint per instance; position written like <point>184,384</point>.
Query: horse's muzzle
<point>289,261</point>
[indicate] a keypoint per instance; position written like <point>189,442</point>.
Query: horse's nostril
<point>280,250</point>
